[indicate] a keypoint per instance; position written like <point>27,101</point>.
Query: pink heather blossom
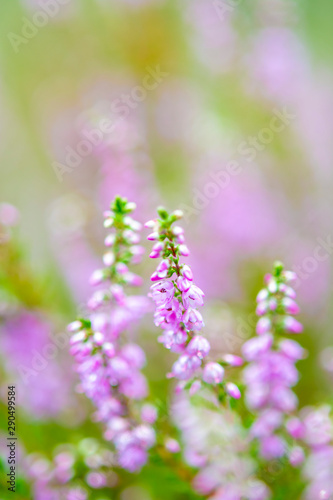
<point>290,306</point>
<point>291,325</point>
<point>318,427</point>
<point>132,458</point>
<point>216,444</point>
<point>213,373</point>
<point>177,299</point>
<point>232,360</point>
<point>43,382</point>
<point>292,349</point>
<point>271,372</point>
<point>96,480</point>
<point>148,413</point>
<point>172,445</point>
<point>193,319</point>
<point>233,390</point>
<point>263,326</point>
<point>198,346</point>
<point>134,355</point>
<point>257,347</point>
<point>185,367</point>
<point>272,447</point>
<point>162,293</point>
<point>296,428</point>
<point>296,456</point>
<point>109,368</point>
<point>77,494</point>
<point>59,478</point>
<point>195,387</point>
<point>269,420</point>
<point>193,297</point>
<point>187,272</point>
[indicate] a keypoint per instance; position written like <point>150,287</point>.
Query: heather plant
<point>208,411</point>
<point>271,371</point>
<point>231,428</point>
<point>110,365</point>
<point>186,372</point>
<point>177,300</point>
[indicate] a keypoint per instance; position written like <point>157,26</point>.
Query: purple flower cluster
<point>219,449</point>
<point>318,469</point>
<point>271,372</point>
<point>110,367</point>
<point>313,432</point>
<point>177,300</point>
<point>60,478</point>
<point>43,382</point>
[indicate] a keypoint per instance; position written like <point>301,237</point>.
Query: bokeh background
<point>221,108</point>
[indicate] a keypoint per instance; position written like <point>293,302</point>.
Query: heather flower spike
<point>108,366</point>
<point>271,372</point>
<point>178,299</point>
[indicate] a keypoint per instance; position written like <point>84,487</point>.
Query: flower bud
<point>130,206</point>
<point>172,445</point>
<point>290,305</point>
<point>198,346</point>
<point>97,277</point>
<point>98,338</point>
<point>109,240</point>
<point>150,224</point>
<point>233,390</point>
<point>263,326</point>
<point>75,326</point>
<point>232,360</point>
<point>109,349</point>
<point>291,325</point>
<point>296,456</point>
<point>108,259</point>
<point>108,223</point>
<point>184,250</point>
<point>187,272</point>
<point>77,337</point>
<point>153,236</point>
<point>213,373</point>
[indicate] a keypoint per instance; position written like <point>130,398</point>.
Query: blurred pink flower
<point>33,360</point>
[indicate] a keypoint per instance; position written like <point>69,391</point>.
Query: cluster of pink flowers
<point>271,372</point>
<point>59,478</point>
<point>109,365</point>
<point>177,300</point>
<point>220,450</point>
<point>44,383</point>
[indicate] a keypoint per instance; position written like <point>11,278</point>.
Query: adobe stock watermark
<point>119,109</point>
<point>30,27</point>
<point>247,150</point>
